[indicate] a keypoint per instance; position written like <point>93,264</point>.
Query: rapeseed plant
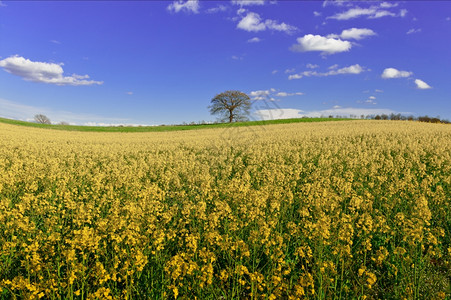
<point>358,209</point>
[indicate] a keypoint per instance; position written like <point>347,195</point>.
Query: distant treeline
<point>399,117</point>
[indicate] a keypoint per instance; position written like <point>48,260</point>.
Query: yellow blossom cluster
<point>356,209</point>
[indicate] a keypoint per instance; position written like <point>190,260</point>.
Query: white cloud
<point>273,25</point>
<point>403,13</point>
<point>289,113</point>
<point>285,94</point>
<point>448,19</point>
<point>388,5</point>
<point>240,12</point>
<point>372,12</point>
<point>356,33</point>
<point>260,93</point>
<point>252,22</point>
<point>290,70</point>
<point>129,93</point>
<point>235,57</point>
<point>2,4</point>
<point>295,76</point>
<point>254,40</point>
<point>353,69</point>
<point>316,14</point>
<point>382,13</point>
<point>413,31</point>
<point>312,66</point>
<point>378,91</point>
<point>422,85</point>
<point>55,42</point>
<point>216,9</point>
<point>278,113</point>
<point>354,13</point>
<point>326,45</point>
<point>335,2</point>
<point>394,73</point>
<point>274,71</point>
<point>270,94</point>
<point>43,72</point>
<point>333,67</point>
<point>370,100</point>
<point>185,6</point>
<point>248,2</point>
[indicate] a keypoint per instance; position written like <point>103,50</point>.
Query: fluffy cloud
<point>248,2</point>
<point>253,22</point>
<point>326,45</point>
<point>259,94</point>
<point>388,5</point>
<point>353,69</point>
<point>356,33</point>
<point>389,73</point>
<point>289,113</point>
<point>422,85</point>
<point>43,72</point>
<point>186,6</point>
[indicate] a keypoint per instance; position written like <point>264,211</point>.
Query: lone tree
<point>43,119</point>
<point>232,106</point>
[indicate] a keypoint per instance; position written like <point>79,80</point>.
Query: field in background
<point>357,209</point>
<point>165,127</point>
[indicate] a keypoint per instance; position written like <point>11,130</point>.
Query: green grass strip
<point>160,128</point>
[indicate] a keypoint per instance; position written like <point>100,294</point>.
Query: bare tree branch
<point>231,106</point>
<point>42,119</point>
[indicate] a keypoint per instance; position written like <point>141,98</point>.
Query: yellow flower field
<point>356,209</point>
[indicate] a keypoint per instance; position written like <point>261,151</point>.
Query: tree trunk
<point>230,116</point>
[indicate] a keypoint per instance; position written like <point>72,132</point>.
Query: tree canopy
<point>231,106</point>
<point>43,119</point>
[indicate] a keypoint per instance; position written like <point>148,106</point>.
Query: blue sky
<point>161,62</point>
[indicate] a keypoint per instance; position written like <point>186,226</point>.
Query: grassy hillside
<point>162,127</point>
